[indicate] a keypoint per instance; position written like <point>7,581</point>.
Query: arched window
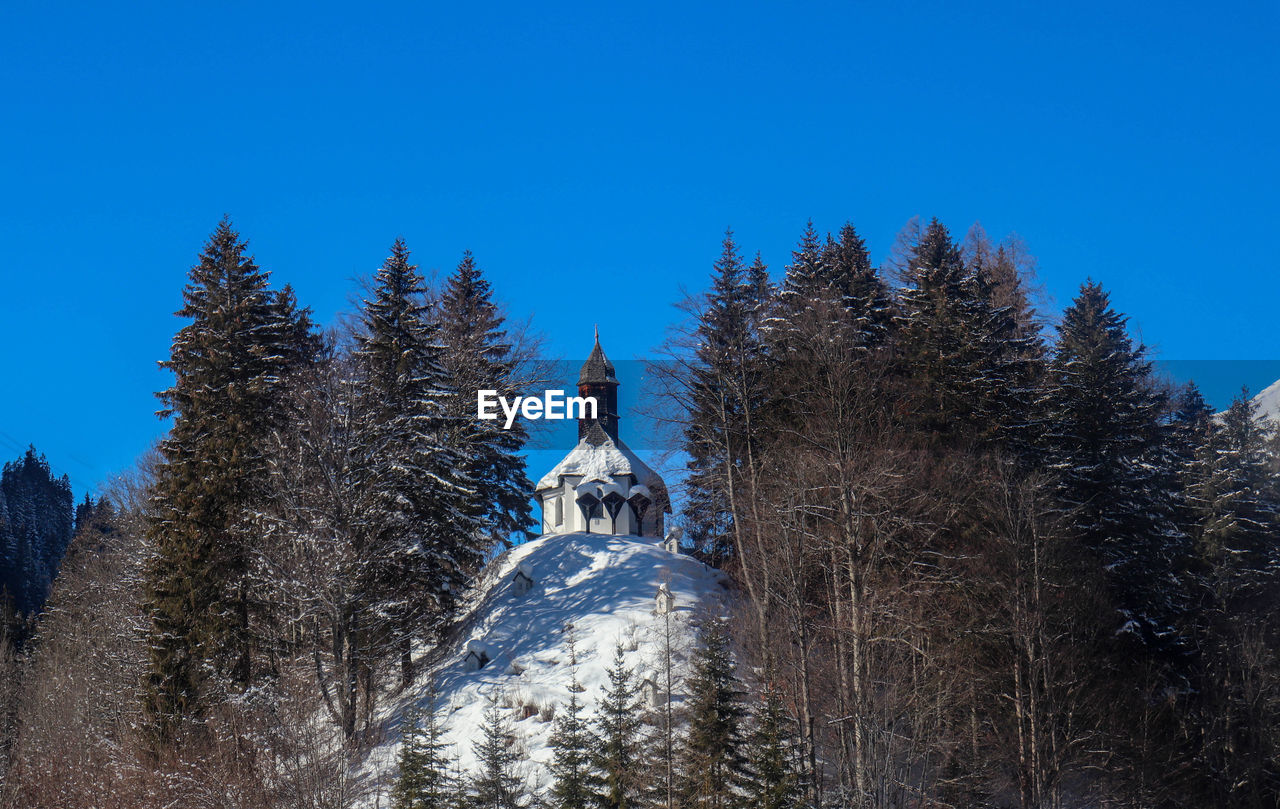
<point>589,505</point>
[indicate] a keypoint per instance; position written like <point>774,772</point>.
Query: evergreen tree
<point>1190,421</point>
<point>1007,267</point>
<point>230,364</point>
<point>617,757</point>
<point>1105,442</point>
<point>962,350</point>
<point>760,293</point>
<point>36,526</point>
<point>773,781</point>
<point>422,523</point>
<point>574,785</point>
<point>725,392</point>
<point>862,293</point>
<point>715,746</point>
<point>809,275</point>
<point>424,781</point>
<point>479,356</point>
<point>1233,496</point>
<point>497,785</point>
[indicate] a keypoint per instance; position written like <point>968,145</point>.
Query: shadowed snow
<point>604,587</point>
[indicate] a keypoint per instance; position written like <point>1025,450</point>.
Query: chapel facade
<point>601,486</point>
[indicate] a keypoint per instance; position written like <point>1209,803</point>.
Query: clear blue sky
<point>592,156</point>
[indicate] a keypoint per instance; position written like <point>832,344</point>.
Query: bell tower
<point>598,379</point>
<point>601,486</point>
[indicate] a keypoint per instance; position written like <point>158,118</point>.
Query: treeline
<point>36,521</point>
<point>981,562</point>
<point>236,608</point>
<point>987,564</point>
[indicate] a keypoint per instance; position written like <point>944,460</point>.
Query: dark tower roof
<point>599,381</point>
<point>597,369</point>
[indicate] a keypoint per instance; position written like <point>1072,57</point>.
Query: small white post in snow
<point>522,582</point>
<point>665,602</point>
<point>476,657</point>
<point>672,541</point>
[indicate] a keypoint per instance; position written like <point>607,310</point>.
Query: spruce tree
<point>497,785</point>
<point>725,391</point>
<point>1233,497</point>
<point>36,526</point>
<point>938,346</point>
<point>962,350</point>
<point>480,356</point>
<point>773,782</point>
<point>574,781</point>
<point>424,780</point>
<point>1104,442</point>
<point>422,523</point>
<point>230,364</point>
<point>617,756</point>
<point>808,275</point>
<point>715,767</point>
<point>862,294</point>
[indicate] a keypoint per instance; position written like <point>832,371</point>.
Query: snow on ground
<point>1268,402</point>
<point>604,587</point>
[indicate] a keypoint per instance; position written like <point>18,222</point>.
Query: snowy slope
<point>605,587</point>
<point>1269,402</point>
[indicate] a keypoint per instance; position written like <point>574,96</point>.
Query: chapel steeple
<point>599,379</point>
<point>601,486</point>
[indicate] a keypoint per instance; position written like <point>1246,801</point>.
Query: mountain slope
<point>1268,402</point>
<point>604,587</point>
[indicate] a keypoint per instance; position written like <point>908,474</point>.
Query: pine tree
<point>617,755</point>
<point>497,785</point>
<point>760,293</point>
<point>36,526</point>
<point>863,295</point>
<point>725,392</point>
<point>424,780</point>
<point>773,782</point>
<point>1233,497</point>
<point>963,350</point>
<point>1190,421</point>
<point>574,785</point>
<point>714,754</point>
<point>1104,441</point>
<point>480,356</point>
<point>230,366</point>
<point>422,523</point>
<point>808,275</point>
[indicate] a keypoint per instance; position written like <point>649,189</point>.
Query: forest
<point>982,555</point>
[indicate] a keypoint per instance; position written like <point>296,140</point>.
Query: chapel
<point>602,487</point>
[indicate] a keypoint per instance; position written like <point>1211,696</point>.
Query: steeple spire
<point>599,379</point>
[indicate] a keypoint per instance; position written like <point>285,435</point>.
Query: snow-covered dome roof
<point>605,462</point>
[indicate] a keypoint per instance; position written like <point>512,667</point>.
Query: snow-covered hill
<point>603,588</point>
<point>1268,402</point>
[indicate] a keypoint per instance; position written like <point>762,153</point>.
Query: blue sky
<point>592,155</point>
